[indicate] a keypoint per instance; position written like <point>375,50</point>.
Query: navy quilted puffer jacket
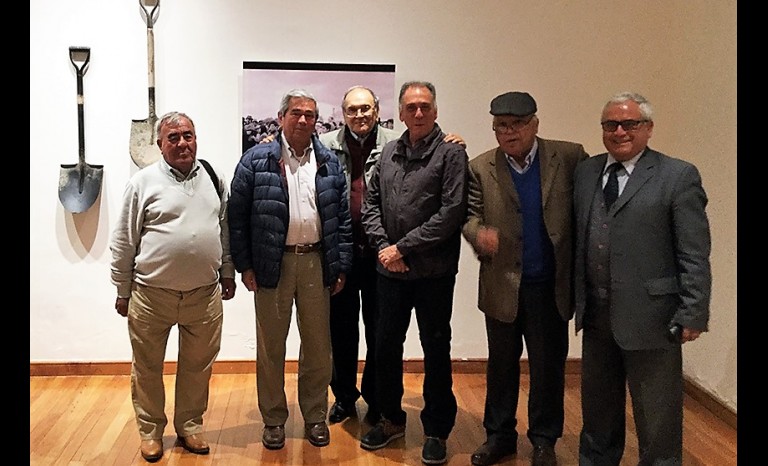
<point>258,213</point>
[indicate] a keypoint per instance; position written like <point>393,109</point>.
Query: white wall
<point>571,56</point>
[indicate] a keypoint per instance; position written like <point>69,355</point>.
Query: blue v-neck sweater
<point>538,253</point>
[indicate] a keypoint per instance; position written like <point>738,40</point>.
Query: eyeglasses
<point>628,125</point>
<point>506,127</point>
<point>297,114</point>
<point>353,110</point>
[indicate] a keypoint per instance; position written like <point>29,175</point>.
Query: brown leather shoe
<point>318,434</point>
<point>195,443</point>
<point>273,437</point>
<point>152,449</point>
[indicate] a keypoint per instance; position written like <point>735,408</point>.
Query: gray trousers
<point>655,382</point>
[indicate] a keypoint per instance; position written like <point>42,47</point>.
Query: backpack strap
<point>212,174</point>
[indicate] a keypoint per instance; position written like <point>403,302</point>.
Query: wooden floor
<point>88,420</point>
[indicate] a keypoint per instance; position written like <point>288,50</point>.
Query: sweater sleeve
<point>125,241</point>
<point>227,269</point>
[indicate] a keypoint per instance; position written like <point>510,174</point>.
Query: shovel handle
<point>151,14</point>
<point>151,18</point>
<point>79,52</point>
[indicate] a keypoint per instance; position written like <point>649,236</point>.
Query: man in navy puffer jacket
<point>291,240</point>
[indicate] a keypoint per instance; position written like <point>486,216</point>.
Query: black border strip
<point>273,65</point>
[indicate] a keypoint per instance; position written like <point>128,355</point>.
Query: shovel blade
<point>79,188</point>
<point>144,150</point>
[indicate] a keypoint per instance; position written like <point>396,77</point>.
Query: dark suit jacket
<point>494,202</point>
<point>659,249</point>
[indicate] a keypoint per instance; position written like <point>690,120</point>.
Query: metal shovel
<point>143,146</point>
<point>80,183</point>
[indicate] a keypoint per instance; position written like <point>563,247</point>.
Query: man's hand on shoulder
<point>455,138</point>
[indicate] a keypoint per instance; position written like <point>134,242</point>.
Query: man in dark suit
<point>519,224</point>
<point>642,286</point>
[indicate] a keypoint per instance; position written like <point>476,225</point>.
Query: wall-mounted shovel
<point>143,144</point>
<point>80,183</point>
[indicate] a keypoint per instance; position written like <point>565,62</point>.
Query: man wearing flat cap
<point>519,225</point>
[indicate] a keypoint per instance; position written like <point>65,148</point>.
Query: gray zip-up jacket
<point>417,199</point>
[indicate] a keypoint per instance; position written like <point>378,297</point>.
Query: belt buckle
<point>302,249</point>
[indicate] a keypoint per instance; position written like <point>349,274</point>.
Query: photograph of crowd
<point>264,84</point>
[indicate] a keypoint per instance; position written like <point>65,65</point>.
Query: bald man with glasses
<point>358,145</point>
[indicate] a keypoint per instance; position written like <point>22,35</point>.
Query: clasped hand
<point>392,260</point>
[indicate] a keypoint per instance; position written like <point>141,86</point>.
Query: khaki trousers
<point>151,314</point>
<point>301,281</point>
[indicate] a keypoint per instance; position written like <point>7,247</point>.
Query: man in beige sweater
<point>170,255</point>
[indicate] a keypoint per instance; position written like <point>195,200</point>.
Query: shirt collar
<point>288,152</point>
<point>629,165</point>
<point>360,139</point>
<point>176,174</point>
<point>528,158</point>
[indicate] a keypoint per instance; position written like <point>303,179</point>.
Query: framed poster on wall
<point>265,83</point>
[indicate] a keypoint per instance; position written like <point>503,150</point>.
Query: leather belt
<point>303,248</point>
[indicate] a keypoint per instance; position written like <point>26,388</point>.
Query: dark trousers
<point>655,382</point>
<point>345,334</point>
<point>432,298</point>
<point>546,338</point>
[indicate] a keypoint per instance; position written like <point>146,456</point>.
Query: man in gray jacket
<point>642,286</point>
<point>413,213</point>
<point>358,145</point>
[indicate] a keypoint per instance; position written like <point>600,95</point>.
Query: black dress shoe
<point>492,453</point>
<point>341,411</point>
<point>544,455</point>
<point>273,437</point>
<point>434,451</point>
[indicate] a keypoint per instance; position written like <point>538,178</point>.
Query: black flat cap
<point>513,103</point>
